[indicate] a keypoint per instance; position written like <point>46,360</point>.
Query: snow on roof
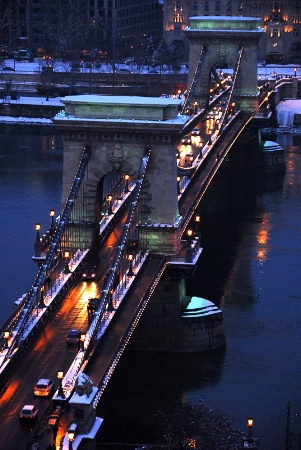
<point>121,100</point>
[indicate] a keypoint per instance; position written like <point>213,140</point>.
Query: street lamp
<point>197,233</point>
<point>250,425</point>
<point>109,200</point>
<point>52,224</point>
<point>42,304</point>
<point>126,187</point>
<point>130,271</point>
<point>295,71</point>
<point>71,434</point>
<point>66,268</point>
<point>37,244</point>
<point>6,336</point>
<point>82,340</point>
<point>190,234</point>
<point>60,376</point>
<point>195,107</point>
<point>178,181</point>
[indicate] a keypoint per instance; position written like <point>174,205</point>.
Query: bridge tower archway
<point>221,38</point>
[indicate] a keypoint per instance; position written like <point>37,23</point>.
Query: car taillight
<point>30,417</point>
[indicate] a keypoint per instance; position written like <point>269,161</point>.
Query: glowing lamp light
<point>52,213</point>
<point>189,233</point>
<point>38,226</point>
<point>60,374</point>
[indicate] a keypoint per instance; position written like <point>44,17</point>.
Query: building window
<point>217,6</point>
<point>276,18</point>
<point>276,33</point>
<point>195,6</point>
<point>296,32</point>
<point>206,6</point>
<point>255,9</point>
<point>178,6</point>
<point>178,17</point>
<point>178,31</point>
<point>276,7</point>
<point>229,6</point>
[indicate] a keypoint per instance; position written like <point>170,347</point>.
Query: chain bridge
<point>135,171</point>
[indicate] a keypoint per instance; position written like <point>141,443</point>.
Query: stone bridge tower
<point>222,37</point>
<point>119,131</point>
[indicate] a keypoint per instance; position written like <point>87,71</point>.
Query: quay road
<point>50,351</point>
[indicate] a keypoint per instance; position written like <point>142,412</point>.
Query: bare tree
<point>197,427</point>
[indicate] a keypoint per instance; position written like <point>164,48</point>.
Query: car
<point>43,388</point>
<point>54,417</point>
<point>73,337</point>
<point>89,273</point>
<point>28,413</point>
<point>93,304</point>
<point>195,132</point>
<point>186,140</point>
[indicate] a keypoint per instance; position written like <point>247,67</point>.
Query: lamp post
<point>52,224</point>
<point>109,200</point>
<point>295,71</point>
<point>37,244</point>
<point>71,434</point>
<point>6,336</point>
<point>179,93</point>
<point>42,304</point>
<point>66,267</point>
<point>82,340</point>
<point>197,233</point>
<point>126,187</point>
<point>110,303</point>
<point>130,271</point>
<point>60,375</point>
<point>250,425</point>
<point>195,105</point>
<point>178,183</point>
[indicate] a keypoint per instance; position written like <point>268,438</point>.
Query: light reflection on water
<point>250,267</point>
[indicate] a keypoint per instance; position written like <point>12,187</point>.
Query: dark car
<point>93,304</point>
<point>89,274</point>
<point>73,337</point>
<point>54,417</point>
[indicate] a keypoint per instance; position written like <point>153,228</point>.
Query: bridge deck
<point>116,336</point>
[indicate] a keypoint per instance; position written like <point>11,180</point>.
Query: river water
<point>250,267</point>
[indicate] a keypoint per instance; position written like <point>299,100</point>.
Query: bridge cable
<point>41,275</point>
<point>194,80</point>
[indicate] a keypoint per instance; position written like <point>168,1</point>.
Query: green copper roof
<point>228,23</point>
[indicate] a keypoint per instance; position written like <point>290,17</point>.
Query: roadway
<point>47,355</point>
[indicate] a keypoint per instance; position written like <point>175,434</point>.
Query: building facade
<point>281,21</point>
<point>56,26</point>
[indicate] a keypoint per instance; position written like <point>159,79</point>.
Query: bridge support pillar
<point>175,322</point>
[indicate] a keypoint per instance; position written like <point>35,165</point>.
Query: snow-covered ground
<point>9,65</point>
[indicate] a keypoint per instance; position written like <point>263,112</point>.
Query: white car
<point>28,413</point>
<point>195,132</point>
<point>43,388</point>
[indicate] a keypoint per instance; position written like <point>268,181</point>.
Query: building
<point>57,27</point>
<point>281,42</point>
